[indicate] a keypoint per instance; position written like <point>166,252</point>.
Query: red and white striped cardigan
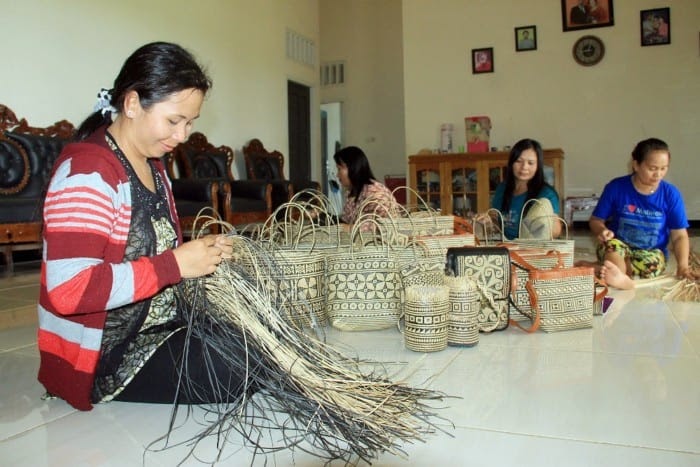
<point>87,214</point>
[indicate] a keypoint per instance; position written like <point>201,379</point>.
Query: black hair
<point>154,71</point>
<point>535,184</point>
<point>359,171</point>
<point>646,147</point>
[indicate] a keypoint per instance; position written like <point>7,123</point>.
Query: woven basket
<point>539,220</point>
<point>565,298</point>
<point>463,322</point>
<point>426,318</point>
<point>297,283</point>
<point>560,298</point>
<point>521,309</point>
<point>363,289</point>
<point>490,269</point>
<point>437,245</point>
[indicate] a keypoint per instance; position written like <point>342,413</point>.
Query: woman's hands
<point>605,235</point>
<point>201,256</point>
<point>598,225</point>
<point>684,272</point>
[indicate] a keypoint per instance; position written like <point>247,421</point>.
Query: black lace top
<point>133,332</point>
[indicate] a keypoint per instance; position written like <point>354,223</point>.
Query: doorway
<point>299,128</point>
<point>331,141</point>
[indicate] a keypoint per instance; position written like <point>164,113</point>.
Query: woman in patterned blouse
<point>365,195</point>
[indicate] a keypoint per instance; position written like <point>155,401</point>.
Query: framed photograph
<point>482,60</point>
<point>655,26</point>
<point>525,38</point>
<point>585,14</point>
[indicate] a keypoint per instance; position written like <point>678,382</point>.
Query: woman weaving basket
<point>365,195</point>
<point>129,312</point>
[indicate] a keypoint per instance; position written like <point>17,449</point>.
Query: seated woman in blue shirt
<point>636,218</point>
<point>525,181</point>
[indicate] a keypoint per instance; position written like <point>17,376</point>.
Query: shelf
<point>483,170</point>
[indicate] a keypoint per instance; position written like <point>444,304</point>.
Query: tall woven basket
<point>463,320</point>
<point>426,318</point>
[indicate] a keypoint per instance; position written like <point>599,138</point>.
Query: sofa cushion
<point>42,152</point>
<point>14,167</point>
<point>16,210</point>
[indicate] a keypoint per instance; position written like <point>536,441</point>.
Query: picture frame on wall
<point>525,38</point>
<point>482,60</point>
<point>655,26</point>
<point>586,14</point>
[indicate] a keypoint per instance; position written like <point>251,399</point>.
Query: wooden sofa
<point>27,155</point>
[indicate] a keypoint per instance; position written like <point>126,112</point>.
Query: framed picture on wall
<point>655,26</point>
<point>585,14</point>
<point>525,38</point>
<point>482,60</point>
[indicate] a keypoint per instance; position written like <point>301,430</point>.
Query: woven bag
<point>422,271</point>
<point>490,269</point>
<point>437,245</point>
<point>537,223</point>
<point>492,236</point>
<point>520,308</point>
<point>363,286</point>
<point>463,321</point>
<point>296,280</point>
<point>412,223</point>
<point>426,318</point>
<point>560,298</point>
<point>303,281</point>
<point>538,220</point>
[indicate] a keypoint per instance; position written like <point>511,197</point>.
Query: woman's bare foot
<point>614,277</point>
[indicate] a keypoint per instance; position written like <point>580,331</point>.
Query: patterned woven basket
<point>298,282</point>
<point>463,322</point>
<point>426,318</point>
<point>437,245</point>
<point>490,269</point>
<point>565,298</point>
<point>363,289</point>
<point>560,298</point>
<point>564,246</point>
<point>520,309</point>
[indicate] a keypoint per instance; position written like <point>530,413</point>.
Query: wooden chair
<point>262,164</point>
<point>238,201</point>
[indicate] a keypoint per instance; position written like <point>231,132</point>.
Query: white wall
<point>367,35</point>
<point>596,114</point>
<point>57,55</point>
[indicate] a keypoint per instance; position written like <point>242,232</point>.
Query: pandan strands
<point>686,290</point>
<point>313,397</point>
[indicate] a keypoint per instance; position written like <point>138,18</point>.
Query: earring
<point>130,114</point>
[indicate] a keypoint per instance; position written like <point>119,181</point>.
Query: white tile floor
<point>624,393</point>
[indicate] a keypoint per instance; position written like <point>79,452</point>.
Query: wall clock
<point>588,50</point>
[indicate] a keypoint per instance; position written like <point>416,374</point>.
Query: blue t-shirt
<point>641,221</point>
<point>511,219</point>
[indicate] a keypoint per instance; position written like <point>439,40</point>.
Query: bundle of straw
<point>331,408</point>
<point>686,290</point>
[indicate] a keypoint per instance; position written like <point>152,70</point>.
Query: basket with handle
<point>363,285</point>
<point>560,298</point>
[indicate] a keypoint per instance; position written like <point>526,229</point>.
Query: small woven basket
<point>463,320</point>
<point>426,318</point>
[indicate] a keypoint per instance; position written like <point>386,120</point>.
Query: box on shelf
<point>478,131</point>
